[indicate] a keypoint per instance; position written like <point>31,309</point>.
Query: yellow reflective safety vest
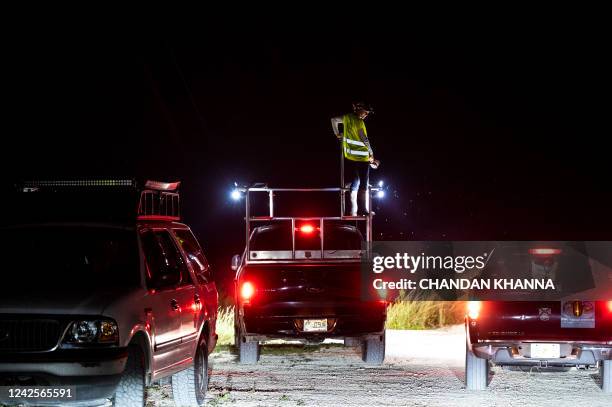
<point>354,148</point>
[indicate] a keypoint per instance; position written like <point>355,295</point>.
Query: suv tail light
<point>473,309</point>
<point>247,290</point>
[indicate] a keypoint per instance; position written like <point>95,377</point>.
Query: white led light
<point>236,195</point>
<point>380,194</point>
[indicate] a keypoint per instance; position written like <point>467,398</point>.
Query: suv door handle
<point>175,305</point>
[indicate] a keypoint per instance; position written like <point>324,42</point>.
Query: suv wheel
<point>373,350</point>
<point>131,389</point>
<point>249,351</point>
<point>476,371</point>
<point>189,386</point>
<point>605,370</point>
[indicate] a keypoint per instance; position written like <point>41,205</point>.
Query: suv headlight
<point>87,332</point>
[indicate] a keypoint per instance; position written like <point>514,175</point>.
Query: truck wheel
<point>189,386</point>
<point>476,371</point>
<point>131,389</point>
<point>605,370</point>
<point>249,352</point>
<point>373,350</point>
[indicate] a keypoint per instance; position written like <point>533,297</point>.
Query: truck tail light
<point>246,291</point>
<point>306,229</point>
<point>544,251</point>
<point>473,309</point>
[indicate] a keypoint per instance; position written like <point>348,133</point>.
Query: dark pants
<point>358,172</point>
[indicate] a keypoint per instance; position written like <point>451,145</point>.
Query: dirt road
<point>422,368</point>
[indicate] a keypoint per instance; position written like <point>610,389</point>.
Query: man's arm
<point>336,122</point>
<point>365,141</point>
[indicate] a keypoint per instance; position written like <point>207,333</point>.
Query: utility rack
<point>155,200</point>
<point>321,254</point>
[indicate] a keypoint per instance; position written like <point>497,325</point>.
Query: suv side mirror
<point>235,262</point>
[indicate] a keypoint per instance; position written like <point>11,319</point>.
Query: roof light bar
<point>81,183</point>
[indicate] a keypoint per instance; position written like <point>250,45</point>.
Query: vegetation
<point>424,314</point>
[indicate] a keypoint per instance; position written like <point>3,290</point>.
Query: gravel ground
<point>422,368</point>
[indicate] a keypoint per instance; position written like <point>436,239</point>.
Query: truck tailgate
<point>543,320</point>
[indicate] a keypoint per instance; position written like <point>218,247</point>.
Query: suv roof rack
<point>157,200</point>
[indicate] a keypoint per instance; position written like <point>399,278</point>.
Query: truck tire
<point>476,371</point>
<point>189,386</point>
<point>373,350</point>
<point>249,353</point>
<point>605,370</point>
<point>131,389</point>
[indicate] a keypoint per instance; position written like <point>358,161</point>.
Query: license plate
<point>545,350</point>
<point>315,325</point>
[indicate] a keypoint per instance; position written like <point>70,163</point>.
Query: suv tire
<point>131,389</point>
<point>605,370</point>
<point>373,350</point>
<point>189,386</point>
<point>476,371</point>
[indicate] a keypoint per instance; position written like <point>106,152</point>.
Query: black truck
<point>299,279</point>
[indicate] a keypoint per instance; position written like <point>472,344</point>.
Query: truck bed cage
<point>302,255</point>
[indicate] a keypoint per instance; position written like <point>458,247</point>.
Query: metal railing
<point>249,220</point>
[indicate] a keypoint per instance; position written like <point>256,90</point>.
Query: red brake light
<point>544,251</point>
<point>247,290</point>
<point>610,306</point>
<point>306,229</point>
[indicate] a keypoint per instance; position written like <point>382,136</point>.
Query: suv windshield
<point>58,257</point>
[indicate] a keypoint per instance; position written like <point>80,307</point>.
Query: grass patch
<point>225,326</point>
<point>424,314</point>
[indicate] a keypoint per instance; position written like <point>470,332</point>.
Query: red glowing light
<point>247,291</point>
<point>307,228</point>
<point>610,306</point>
<point>544,251</point>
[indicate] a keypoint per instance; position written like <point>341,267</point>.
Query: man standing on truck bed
<point>358,154</point>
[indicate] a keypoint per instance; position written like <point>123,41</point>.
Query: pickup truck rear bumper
<point>285,320</point>
<point>517,353</point>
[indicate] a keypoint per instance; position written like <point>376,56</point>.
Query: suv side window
<point>173,256</point>
<point>163,262</point>
<point>195,254</point>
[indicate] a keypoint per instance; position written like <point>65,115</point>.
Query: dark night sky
<point>482,135</point>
